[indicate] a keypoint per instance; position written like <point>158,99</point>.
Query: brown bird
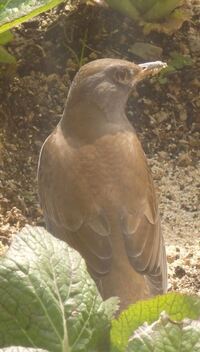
<point>96,189</point>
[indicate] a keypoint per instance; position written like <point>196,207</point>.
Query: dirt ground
<point>165,112</point>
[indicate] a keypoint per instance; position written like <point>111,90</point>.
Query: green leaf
<point>161,9</point>
<point>21,349</point>
<point>177,306</point>
<point>143,5</point>
<point>48,299</point>
<point>14,12</point>
<point>125,7</point>
<point>153,15</point>
<point>149,10</point>
<point>170,24</point>
<point>6,37</point>
<point>6,57</point>
<point>166,335</point>
<point>146,51</point>
<point>179,61</point>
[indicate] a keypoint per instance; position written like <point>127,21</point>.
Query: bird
<point>96,189</point>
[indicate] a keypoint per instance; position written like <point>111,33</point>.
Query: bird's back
<point>100,198</point>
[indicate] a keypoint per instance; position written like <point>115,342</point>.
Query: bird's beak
<point>151,69</point>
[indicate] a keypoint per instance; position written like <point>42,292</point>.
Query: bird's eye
<point>123,75</point>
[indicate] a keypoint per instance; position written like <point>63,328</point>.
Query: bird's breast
<point>110,170</point>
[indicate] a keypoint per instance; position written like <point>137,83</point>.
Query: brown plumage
<point>96,189</point>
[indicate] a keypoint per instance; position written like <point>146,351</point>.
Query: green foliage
<point>166,335</point>
<point>152,13</point>
<point>6,37</point>
<point>49,303</point>
<point>48,299</point>
<point>126,7</point>
<point>177,307</point>
<point>160,9</point>
<point>148,10</point>
<point>21,349</point>
<point>5,56</point>
<point>14,12</point>
<point>177,62</point>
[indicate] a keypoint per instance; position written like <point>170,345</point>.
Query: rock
<point>93,56</point>
<point>163,155</point>
<point>179,271</point>
<point>194,142</point>
<point>161,116</point>
<point>172,254</point>
<point>183,115</point>
<point>187,261</point>
<point>194,42</point>
<point>171,258</point>
<point>198,264</point>
<point>146,51</point>
<point>184,160</point>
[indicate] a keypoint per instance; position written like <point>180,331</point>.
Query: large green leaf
<point>47,298</point>
<point>177,306</point>
<point>161,9</point>
<point>13,12</point>
<point>166,335</point>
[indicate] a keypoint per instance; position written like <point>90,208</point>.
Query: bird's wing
<point>70,216</point>
<point>144,241</point>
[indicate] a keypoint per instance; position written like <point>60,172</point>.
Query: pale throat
<point>89,119</point>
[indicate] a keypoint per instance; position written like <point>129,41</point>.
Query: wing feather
<point>144,241</point>
<point>86,230</point>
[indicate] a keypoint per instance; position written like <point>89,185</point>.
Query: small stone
<point>187,261</point>
<point>184,160</point>
<point>146,51</point>
<point>93,56</point>
<point>5,228</point>
<point>161,116</point>
<point>179,271</point>
<point>193,141</point>
<point>172,258</point>
<point>183,115</point>
<point>163,155</point>
<point>198,264</point>
<point>189,255</point>
<point>194,42</point>
<point>172,254</point>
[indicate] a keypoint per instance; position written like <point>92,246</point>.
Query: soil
<point>165,112</point>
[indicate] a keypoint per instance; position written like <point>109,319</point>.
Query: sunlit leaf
<point>177,306</point>
<point>14,12</point>
<point>48,299</point>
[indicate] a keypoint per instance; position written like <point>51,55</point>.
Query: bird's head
<point>97,97</point>
<point>110,81</point>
